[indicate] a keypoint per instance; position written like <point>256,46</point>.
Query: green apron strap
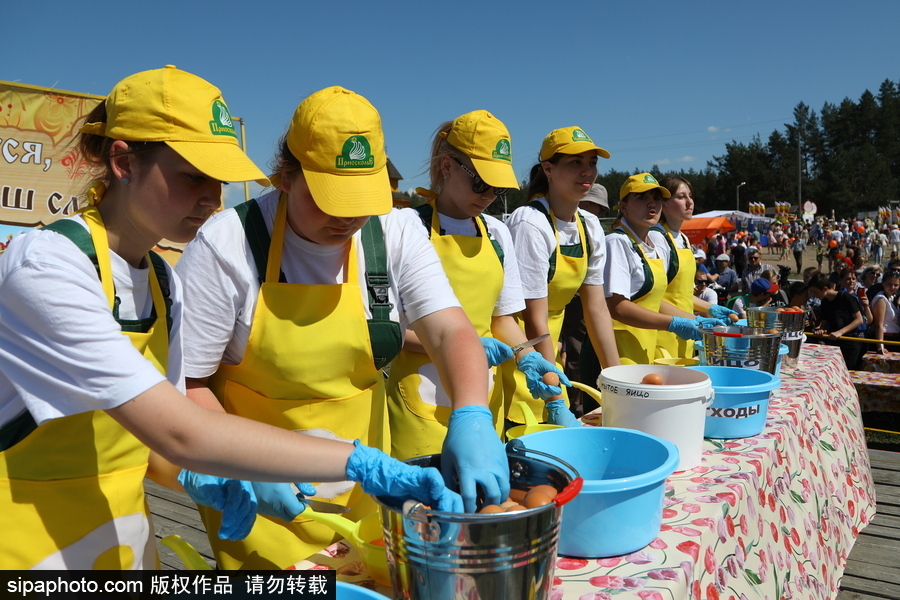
<point>384,334</point>
<point>426,211</point>
<point>80,236</point>
<point>674,261</point>
<point>258,237</point>
<point>571,250</point>
<point>16,430</point>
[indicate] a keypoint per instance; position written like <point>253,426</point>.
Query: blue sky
<point>656,83</point>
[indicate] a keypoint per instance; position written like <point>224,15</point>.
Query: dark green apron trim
<point>16,430</point>
<point>674,261</point>
<point>385,335</point>
<point>81,237</point>
<point>427,210</point>
<point>570,250</point>
<point>648,274</point>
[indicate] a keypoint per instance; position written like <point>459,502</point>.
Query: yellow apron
<point>679,293</point>
<point>634,343</point>
<point>567,280</point>
<point>71,492</point>
<point>308,367</point>
<point>418,406</point>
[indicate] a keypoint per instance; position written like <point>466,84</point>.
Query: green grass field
<point>882,430</point>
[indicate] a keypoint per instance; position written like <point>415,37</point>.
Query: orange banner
<point>42,174</point>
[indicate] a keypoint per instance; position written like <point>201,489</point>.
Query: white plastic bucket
<point>674,411</point>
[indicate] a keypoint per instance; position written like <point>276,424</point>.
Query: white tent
<point>736,215</point>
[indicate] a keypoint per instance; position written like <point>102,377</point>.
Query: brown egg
<point>508,503</point>
<point>550,378</point>
<point>515,508</point>
<point>517,495</point>
<point>734,318</point>
<point>652,379</point>
<point>546,490</point>
<point>490,508</point>
<point>535,500</point>
<point>771,330</point>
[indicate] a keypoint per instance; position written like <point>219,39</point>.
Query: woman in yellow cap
<point>296,300</point>
<point>90,350</point>
<point>677,209</point>
<point>561,251</point>
<point>470,166</point>
<point>638,257</point>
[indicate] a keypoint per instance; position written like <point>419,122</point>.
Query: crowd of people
<point>313,338</point>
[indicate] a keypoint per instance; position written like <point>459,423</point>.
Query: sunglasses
<point>479,186</point>
<point>700,282</point>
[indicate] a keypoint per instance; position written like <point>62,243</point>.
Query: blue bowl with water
<point>741,401</point>
<point>619,509</point>
<point>348,591</point>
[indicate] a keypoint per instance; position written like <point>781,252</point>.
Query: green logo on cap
<point>648,178</point>
<point>580,136</point>
<point>356,154</point>
<point>503,151</point>
<point>221,123</point>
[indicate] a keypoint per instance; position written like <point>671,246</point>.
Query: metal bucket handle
<point>518,448</point>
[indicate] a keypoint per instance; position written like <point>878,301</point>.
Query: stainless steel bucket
<point>439,555</point>
<point>740,346</point>
<point>789,322</point>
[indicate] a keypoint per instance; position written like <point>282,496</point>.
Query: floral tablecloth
<point>772,516</point>
<point>877,391</point>
<point>889,362</point>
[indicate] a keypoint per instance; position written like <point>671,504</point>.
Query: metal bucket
<point>435,555</point>
<point>740,346</point>
<point>789,322</point>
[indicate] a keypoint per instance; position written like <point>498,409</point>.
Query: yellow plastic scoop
<point>192,559</point>
<point>367,536</point>
<point>531,425</point>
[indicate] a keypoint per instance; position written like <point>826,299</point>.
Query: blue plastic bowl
<point>619,509</point>
<point>348,591</point>
<point>741,403</point>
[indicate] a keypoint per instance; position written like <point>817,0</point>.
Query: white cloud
<point>686,159</point>
<point>712,129</point>
<point>663,161</point>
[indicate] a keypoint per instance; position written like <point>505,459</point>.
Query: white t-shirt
<point>221,283</point>
<point>624,273</point>
<point>891,314</point>
<point>708,295</point>
<point>535,243</point>
<point>61,351</point>
<point>510,300</point>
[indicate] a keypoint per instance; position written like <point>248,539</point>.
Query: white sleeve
<point>622,267</point>
<point>597,258</point>
<point>61,351</point>
<point>219,291</point>
<point>416,269</point>
<point>511,299</point>
<point>534,243</point>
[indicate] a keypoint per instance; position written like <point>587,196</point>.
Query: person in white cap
<point>561,251</point>
<point>470,166</point>
<point>296,300</point>
<point>90,350</point>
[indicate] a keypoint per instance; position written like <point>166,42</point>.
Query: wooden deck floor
<point>873,568</point>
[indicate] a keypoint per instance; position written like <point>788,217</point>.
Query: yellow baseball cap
<point>184,111</point>
<point>569,140</point>
<point>641,183</point>
<point>336,135</point>
<point>485,140</point>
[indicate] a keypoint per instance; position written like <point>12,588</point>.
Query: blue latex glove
<point>534,366</point>
<point>381,475</point>
<point>559,414</point>
<point>279,500</point>
<point>686,329</point>
<point>233,497</point>
<point>497,352</point>
<point>721,312</point>
<point>474,455</point>
<point>712,321</point>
